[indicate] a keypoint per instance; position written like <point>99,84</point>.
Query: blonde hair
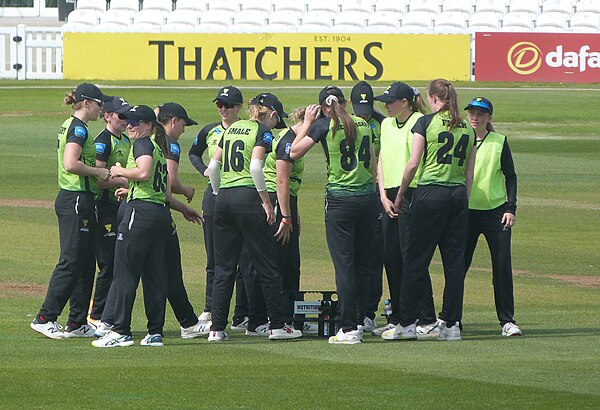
<point>418,104</point>
<point>70,100</point>
<point>297,115</point>
<point>445,91</point>
<point>338,114</point>
<point>257,112</point>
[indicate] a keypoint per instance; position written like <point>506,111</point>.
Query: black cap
<point>172,109</point>
<point>140,113</point>
<point>362,98</point>
<point>117,104</point>
<point>330,90</point>
<point>229,95</point>
<point>481,103</point>
<point>87,91</point>
<point>398,91</point>
<point>271,101</point>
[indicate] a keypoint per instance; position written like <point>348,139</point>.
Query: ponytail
<point>70,100</point>
<point>160,137</point>
<point>338,113</point>
<point>490,127</point>
<point>445,91</point>
<point>418,104</point>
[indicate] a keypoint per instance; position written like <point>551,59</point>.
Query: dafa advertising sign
<point>187,56</point>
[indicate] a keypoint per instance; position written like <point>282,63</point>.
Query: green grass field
<point>553,132</point>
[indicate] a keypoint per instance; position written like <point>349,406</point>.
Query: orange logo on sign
<point>524,58</point>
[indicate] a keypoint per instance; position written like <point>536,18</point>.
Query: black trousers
<point>106,236</point>
<point>73,276</point>
<point>177,294</point>
<point>241,296</point>
<point>140,253</point>
<point>394,238</point>
<point>288,262</point>
<point>438,216</point>
<point>349,228</point>
<point>489,223</point>
<point>240,220</point>
<point>377,257</point>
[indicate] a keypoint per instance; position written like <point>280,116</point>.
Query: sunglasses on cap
<point>100,102</point>
<point>479,104</point>
<point>221,104</point>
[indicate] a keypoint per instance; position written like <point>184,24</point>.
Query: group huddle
<point>398,187</point>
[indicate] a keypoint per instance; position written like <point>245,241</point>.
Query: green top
<point>396,143</point>
<point>375,123</point>
<point>154,188</point>
<point>348,166</point>
<point>237,143</point>
<point>111,149</point>
<point>446,152</point>
<point>75,130</point>
<point>489,187</point>
<point>282,146</point>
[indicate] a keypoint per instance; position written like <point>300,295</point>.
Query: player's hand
<point>269,211</point>
<point>284,232</point>
<point>389,208</point>
<point>190,214</point>
<point>508,220</point>
<point>189,193</point>
<point>311,113</point>
<point>116,170</point>
<point>121,193</point>
<point>103,174</point>
<point>398,202</point>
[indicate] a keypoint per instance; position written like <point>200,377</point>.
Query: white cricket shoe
<point>286,332</point>
<point>379,331</point>
<point>81,331</point>
<point>103,329</point>
<point>240,326</point>
<point>217,336</point>
<point>113,339</point>
<point>346,338</point>
<point>401,333</point>
<point>199,329</point>
<point>51,330</point>
<point>205,317</point>
<point>93,323</point>
<point>261,330</point>
<point>510,329</point>
<point>449,333</point>
<point>155,340</point>
<point>429,331</point>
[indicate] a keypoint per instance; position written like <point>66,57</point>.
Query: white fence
<point>31,53</point>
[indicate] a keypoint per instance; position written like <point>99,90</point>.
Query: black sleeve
<point>173,149</point>
<point>319,130</point>
<point>379,117</point>
<point>77,133</point>
<point>198,148</point>
<point>264,138</point>
<point>420,126</point>
<point>142,147</point>
<point>103,146</point>
<point>284,146</point>
<point>508,169</point>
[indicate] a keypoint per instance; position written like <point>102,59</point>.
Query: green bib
<point>73,129</point>
<point>446,152</point>
<point>270,168</point>
<point>349,166</point>
<point>154,188</point>
<point>489,185</point>
<point>376,127</point>
<point>396,143</point>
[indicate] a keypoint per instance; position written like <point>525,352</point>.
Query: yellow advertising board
<point>265,56</point>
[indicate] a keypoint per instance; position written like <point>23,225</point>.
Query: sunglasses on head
<point>221,104</point>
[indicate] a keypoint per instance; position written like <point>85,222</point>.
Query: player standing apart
<point>350,203</point>
<point>444,144</point>
<point>492,207</point>
<point>78,177</point>
<point>243,213</point>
